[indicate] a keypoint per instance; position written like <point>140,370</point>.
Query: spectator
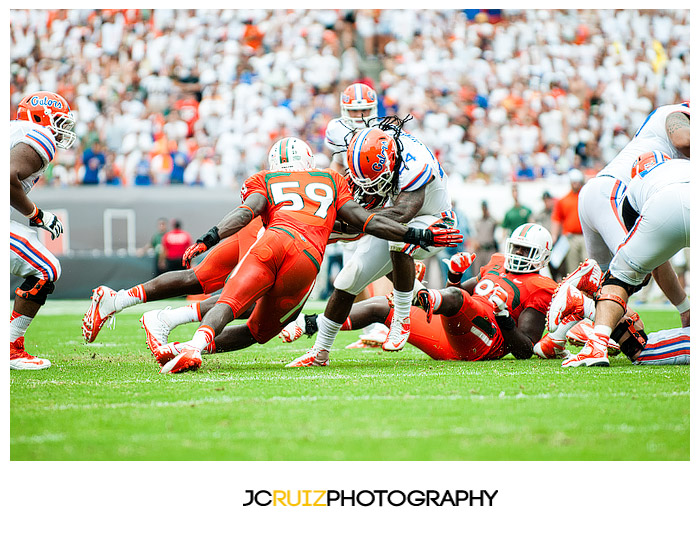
<point>566,224</point>
<point>155,247</point>
<point>517,215</point>
<point>94,160</point>
<point>484,242</point>
<point>174,243</point>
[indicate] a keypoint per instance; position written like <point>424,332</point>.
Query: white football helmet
<point>528,249</point>
<point>291,154</point>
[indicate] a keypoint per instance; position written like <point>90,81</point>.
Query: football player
<point>44,123</point>
<point>656,211</point>
<point>389,163</point>
<point>666,129</point>
<point>298,205</point>
<point>500,311</point>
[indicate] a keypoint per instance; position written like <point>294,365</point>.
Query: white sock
<point>202,338</point>
<point>327,332</point>
<point>125,299</point>
<point>402,303</point>
<point>588,308</point>
<point>180,315</point>
<point>18,326</point>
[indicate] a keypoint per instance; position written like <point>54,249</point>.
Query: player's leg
<point>666,347</point>
<point>40,269</point>
<point>369,262</point>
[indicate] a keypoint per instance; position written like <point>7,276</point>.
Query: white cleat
<point>548,348</point>
<point>315,357</point>
<point>398,334</point>
<point>590,356</point>
<point>586,277</point>
<point>20,359</point>
<point>102,309</point>
<point>189,359</point>
<point>566,306</point>
<point>157,330</point>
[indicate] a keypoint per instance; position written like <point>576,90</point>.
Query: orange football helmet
<point>372,156</point>
<point>358,97</point>
<point>646,162</point>
<point>51,111</point>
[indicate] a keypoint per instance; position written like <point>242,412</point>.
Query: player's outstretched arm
<point>438,235</point>
<point>678,131</point>
<point>405,206</point>
<point>233,222</point>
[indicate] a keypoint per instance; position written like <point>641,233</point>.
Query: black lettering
<point>490,497</point>
<point>381,493</point>
<point>475,497</point>
<point>371,495</point>
<point>447,497</point>
<point>250,492</point>
<point>403,498</point>
<point>432,496</point>
<point>350,498</point>
<point>416,502</point>
<point>257,497</point>
<point>461,496</point>
<point>333,496</point>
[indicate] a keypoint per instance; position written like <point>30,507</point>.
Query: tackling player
<point>298,205</point>
<point>44,123</point>
<point>390,164</point>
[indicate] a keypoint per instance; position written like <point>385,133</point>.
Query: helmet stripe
<point>358,92</point>
<point>284,152</point>
<point>356,153</point>
<point>526,229</point>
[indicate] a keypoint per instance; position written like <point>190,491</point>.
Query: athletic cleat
<point>357,345</point>
<point>548,348</point>
<point>315,357</point>
<point>302,325</point>
<point>20,359</point>
<point>586,277</point>
<point>581,332</point>
<point>101,310</point>
<point>157,330</point>
<point>398,334</point>
<point>590,356</point>
<point>166,352</point>
<point>566,306</point>
<point>189,359</point>
<point>420,270</point>
<point>374,338</point>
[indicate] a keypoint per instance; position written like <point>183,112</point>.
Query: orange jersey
<point>304,201</point>
<point>524,290</point>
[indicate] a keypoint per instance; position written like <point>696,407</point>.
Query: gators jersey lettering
<point>524,290</point>
<point>304,201</point>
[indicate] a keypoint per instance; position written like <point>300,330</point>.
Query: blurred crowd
<point>196,97</point>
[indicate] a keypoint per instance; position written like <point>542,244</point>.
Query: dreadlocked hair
<point>394,124</point>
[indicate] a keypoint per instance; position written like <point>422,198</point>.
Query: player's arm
<point>678,131</point>
<point>24,161</point>
<point>383,227</point>
<point>667,280</point>
<point>233,222</point>
<point>520,339</point>
<point>406,206</point>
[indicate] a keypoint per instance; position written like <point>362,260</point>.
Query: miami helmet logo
<point>381,157</point>
<point>45,101</point>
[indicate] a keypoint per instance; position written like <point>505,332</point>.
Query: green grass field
<point>106,401</point>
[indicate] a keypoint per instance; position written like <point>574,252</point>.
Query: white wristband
<point>684,305</point>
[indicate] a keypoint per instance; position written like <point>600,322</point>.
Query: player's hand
<point>425,299</point>
<point>438,235</point>
<point>460,262</point>
<point>445,235</point>
<point>191,252</point>
<point>47,220</point>
<point>685,319</point>
<point>499,301</point>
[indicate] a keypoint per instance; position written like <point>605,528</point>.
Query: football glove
<point>203,243</point>
<point>425,299</point>
<point>48,221</point>
<point>438,235</point>
<point>460,262</point>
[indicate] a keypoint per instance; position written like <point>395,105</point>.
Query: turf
<point>106,401</point>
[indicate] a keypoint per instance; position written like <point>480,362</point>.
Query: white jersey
<point>419,168</point>
<point>651,136</point>
<point>40,139</point>
<point>641,189</point>
<point>338,135</point>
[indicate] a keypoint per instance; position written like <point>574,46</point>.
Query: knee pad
<point>609,279</point>
<point>35,289</point>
